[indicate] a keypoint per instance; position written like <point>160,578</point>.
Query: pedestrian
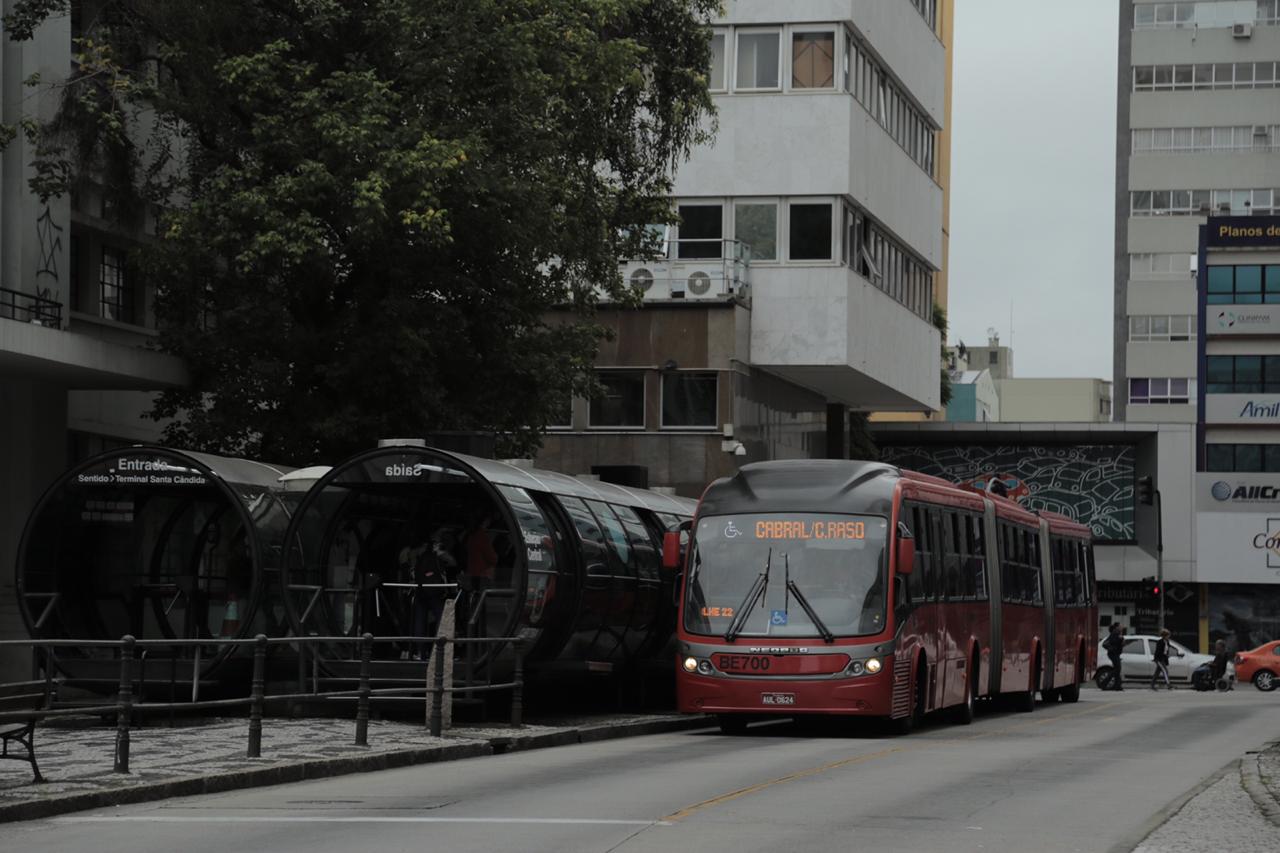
<point>482,559</point>
<point>1114,645</point>
<point>1161,657</point>
<point>1218,669</point>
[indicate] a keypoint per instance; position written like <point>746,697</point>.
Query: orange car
<point>1261,666</point>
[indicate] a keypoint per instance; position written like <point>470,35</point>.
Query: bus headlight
<point>704,667</point>
<point>856,668</point>
<point>873,665</point>
<point>690,664</point>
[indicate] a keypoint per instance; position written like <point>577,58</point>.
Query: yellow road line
<point>859,759</point>
<point>781,780</point>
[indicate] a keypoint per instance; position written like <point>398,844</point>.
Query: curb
<point>325,767</point>
<point>1136,838</point>
<point>1251,781</point>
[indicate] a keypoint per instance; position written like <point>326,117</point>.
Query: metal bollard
<point>256,695</point>
<point>517,687</point>
<point>437,690</point>
<point>124,704</point>
<point>362,704</point>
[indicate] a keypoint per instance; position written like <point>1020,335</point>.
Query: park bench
<point>32,696</point>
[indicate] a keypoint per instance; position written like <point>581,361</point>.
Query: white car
<point>1137,663</point>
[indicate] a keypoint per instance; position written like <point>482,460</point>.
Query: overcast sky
<point>1033,181</point>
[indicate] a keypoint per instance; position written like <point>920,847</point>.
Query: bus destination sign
<point>811,530</point>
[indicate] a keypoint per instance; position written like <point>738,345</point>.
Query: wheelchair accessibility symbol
<point>777,617</point>
<point>731,532</point>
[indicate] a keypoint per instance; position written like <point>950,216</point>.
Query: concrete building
<point>1198,136</point>
<point>1198,131</point>
<point>994,358</point>
<point>74,317</point>
<point>1054,400</point>
<point>799,282</point>
<point>974,398</point>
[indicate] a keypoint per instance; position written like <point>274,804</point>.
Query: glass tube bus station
<point>160,543</point>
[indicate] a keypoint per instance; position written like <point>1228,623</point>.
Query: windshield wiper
<point>754,596</point>
<point>808,610</point>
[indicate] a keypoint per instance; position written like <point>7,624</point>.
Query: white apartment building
<point>799,282</point>
<point>75,377</point>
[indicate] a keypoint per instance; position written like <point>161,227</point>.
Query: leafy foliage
<point>940,323</point>
<point>370,206</point>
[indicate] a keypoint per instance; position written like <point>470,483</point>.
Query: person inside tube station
<point>482,560</point>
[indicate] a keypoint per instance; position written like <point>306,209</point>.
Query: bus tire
<point>915,716</point>
<point>963,714</point>
<point>732,724</point>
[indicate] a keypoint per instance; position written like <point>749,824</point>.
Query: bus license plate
<point>777,698</point>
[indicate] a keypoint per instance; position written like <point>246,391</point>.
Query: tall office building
<point>1196,338</point>
<point>1198,131</point>
<point>799,282</point>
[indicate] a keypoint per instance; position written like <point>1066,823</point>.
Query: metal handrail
<point>125,706</point>
<point>30,308</point>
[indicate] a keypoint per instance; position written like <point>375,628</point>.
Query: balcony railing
<point>30,308</point>
<point>693,269</point>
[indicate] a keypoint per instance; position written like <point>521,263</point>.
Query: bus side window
<point>978,561</point>
<point>1035,567</point>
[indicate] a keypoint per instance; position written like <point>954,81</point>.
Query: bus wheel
<point>963,713</point>
<point>905,725</point>
<point>732,724</point>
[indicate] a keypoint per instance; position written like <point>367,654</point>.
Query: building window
<point>717,82</point>
<point>1268,12</point>
<point>1160,390</point>
<point>1161,327</point>
<point>689,400</point>
<point>811,228</point>
<point>756,225</point>
<point>1220,75</point>
<point>562,415</point>
<point>620,402</point>
<point>893,110</point>
<point>1160,265</point>
<point>701,231</point>
<point>813,60</point>
<point>758,60</point>
<point>117,296</point>
<point>1200,202</point>
<point>1245,284</point>
<point>1242,458</point>
<point>929,10</point>
<point>1243,374</point>
<point>1230,139</point>
<point>993,357</point>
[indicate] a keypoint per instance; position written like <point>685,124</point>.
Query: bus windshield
<point>764,575</point>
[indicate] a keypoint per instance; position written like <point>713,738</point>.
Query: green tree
<point>940,323</point>
<point>369,207</point>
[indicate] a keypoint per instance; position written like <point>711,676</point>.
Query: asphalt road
<point>1094,776</point>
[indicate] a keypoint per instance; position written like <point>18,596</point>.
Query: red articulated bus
<point>856,588</point>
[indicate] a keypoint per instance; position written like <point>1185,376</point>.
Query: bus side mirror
<point>905,559</point>
<point>671,550</point>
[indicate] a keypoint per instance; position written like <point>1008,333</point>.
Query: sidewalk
<point>209,755</point>
<point>1238,810</point>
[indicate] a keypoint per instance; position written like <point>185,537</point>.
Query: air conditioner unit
<point>1260,130</point>
<point>1241,31</point>
<point>641,279</point>
<point>702,284</point>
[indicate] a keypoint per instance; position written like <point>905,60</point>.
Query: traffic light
<point>1145,492</point>
<point>1151,586</point>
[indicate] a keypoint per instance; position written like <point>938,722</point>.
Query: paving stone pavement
<point>1240,812</point>
<point>79,761</point>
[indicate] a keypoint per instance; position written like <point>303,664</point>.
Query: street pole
<point>1160,554</point>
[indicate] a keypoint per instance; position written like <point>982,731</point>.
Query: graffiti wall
<point>1093,484</point>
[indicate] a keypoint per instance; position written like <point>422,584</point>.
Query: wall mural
<point>1093,484</point>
